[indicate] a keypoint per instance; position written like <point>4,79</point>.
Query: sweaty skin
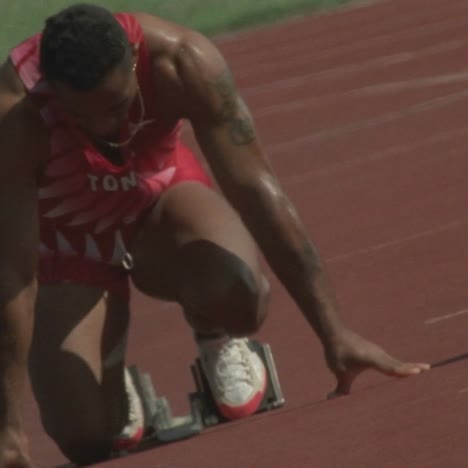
<point>193,82</point>
<point>199,86</point>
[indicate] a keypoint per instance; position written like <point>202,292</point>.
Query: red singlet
<point>90,208</point>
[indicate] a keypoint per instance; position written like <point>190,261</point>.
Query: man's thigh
<point>187,213</point>
<point>194,249</point>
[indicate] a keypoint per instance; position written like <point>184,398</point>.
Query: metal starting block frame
<point>162,426</point>
<point>272,399</point>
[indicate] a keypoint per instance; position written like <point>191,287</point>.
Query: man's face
<point>101,111</point>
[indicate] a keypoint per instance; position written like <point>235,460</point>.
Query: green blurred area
<point>25,17</point>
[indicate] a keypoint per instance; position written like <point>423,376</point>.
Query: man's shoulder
<point>181,61</point>
<point>23,136</point>
<point>168,40</point>
<point>12,88</point>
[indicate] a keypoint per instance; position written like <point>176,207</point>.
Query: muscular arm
<point>198,85</point>
<point>20,140</point>
<point>226,134</point>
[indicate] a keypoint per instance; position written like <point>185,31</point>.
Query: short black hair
<point>80,45</point>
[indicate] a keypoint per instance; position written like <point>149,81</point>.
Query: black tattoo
<point>233,111</point>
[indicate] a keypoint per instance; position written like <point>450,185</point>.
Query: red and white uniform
<point>90,208</point>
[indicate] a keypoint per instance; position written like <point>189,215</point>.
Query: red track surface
<point>363,112</point>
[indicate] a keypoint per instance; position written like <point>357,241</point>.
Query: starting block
<point>162,426</point>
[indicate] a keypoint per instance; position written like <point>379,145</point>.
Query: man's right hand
<point>14,450</point>
<point>351,354</point>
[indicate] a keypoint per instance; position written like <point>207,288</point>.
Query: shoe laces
<point>232,364</point>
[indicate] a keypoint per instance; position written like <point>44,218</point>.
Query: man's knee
<point>81,447</point>
<point>82,432</point>
<point>86,452</point>
<point>217,286</point>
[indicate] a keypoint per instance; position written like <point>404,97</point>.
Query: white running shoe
<point>133,431</point>
<point>236,375</point>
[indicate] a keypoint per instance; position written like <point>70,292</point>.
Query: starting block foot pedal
<point>161,425</point>
<point>272,399</point>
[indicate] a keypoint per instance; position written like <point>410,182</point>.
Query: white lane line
<point>442,318</point>
<point>340,131</point>
<point>285,83</point>
<point>391,152</point>
<point>348,48</point>
<point>243,37</point>
<point>396,242</point>
<point>342,69</point>
<point>376,89</point>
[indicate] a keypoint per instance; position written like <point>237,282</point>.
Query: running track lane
<point>363,114</point>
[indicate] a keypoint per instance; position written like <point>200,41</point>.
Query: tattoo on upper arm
<point>234,112</point>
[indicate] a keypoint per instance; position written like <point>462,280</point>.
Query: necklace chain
<point>134,128</point>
